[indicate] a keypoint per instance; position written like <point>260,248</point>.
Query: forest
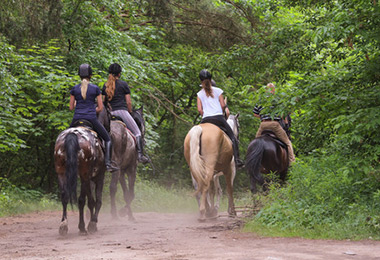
<point>323,57</point>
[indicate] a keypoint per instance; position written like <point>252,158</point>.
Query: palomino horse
<point>208,152</point>
<point>266,154</point>
<point>78,151</point>
<point>124,156</point>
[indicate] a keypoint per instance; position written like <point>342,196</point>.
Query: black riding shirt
<point>118,101</point>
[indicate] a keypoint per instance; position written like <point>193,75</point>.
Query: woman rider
<point>211,106</point>
<point>118,94</point>
<point>82,98</point>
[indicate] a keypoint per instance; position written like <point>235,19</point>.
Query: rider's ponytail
<point>206,84</point>
<point>83,87</point>
<point>110,86</point>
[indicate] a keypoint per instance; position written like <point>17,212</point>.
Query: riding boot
<point>238,162</point>
<point>108,156</point>
<point>140,154</point>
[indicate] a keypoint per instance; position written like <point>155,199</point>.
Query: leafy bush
<point>324,196</point>
<point>16,200</point>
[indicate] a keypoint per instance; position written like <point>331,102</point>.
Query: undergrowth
<point>324,198</point>
<point>17,200</point>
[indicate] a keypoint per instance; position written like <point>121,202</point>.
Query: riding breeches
<point>128,121</point>
<point>276,128</point>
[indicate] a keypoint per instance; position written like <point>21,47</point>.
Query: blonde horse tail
<point>197,164</point>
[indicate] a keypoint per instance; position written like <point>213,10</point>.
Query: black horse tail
<point>253,159</point>
<point>71,169</point>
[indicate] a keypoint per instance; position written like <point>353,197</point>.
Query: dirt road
<point>162,236</point>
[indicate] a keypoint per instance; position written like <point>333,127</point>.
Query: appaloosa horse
<point>124,156</point>
<point>266,154</point>
<point>78,151</point>
<point>209,153</point>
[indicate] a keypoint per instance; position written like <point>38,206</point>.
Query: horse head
<point>138,116</point>
<point>104,117</point>
<point>233,121</point>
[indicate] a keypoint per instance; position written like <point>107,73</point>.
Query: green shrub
<point>324,197</point>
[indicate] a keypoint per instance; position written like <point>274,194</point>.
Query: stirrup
<point>142,158</point>
<point>239,163</point>
<point>111,168</point>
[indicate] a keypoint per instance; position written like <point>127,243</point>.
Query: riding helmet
<point>204,74</point>
<point>114,69</point>
<point>85,71</point>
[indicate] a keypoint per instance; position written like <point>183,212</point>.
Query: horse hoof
<point>63,229</point>
<point>83,233</point>
<point>123,212</point>
<point>92,227</point>
<point>131,218</point>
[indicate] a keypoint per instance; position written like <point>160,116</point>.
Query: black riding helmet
<point>85,71</point>
<point>114,69</point>
<point>204,74</point>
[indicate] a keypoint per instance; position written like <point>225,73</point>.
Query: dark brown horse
<point>266,154</point>
<point>124,156</point>
<point>78,152</point>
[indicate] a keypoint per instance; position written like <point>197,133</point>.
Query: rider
<point>118,94</point>
<point>82,98</point>
<point>211,106</point>
<point>273,124</point>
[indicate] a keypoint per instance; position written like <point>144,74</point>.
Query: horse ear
<point>237,115</point>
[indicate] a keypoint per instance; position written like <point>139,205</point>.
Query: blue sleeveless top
<point>85,109</point>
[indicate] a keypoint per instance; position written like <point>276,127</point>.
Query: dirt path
<point>162,236</point>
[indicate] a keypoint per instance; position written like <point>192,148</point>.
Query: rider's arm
<point>199,106</point>
<point>129,102</point>
<point>222,103</point>
<point>256,111</point>
<point>100,103</point>
<point>72,102</point>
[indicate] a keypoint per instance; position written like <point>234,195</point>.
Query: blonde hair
<point>110,86</point>
<point>206,85</point>
<point>83,87</point>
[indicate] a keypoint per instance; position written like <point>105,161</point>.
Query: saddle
<point>120,121</point>
<point>271,134</point>
<point>83,123</point>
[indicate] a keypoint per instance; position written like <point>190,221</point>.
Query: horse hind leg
<point>113,189</point>
<point>129,193</point>
<point>63,227</point>
<point>229,175</point>
<point>92,225</point>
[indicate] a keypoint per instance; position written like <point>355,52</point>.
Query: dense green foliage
<point>323,56</point>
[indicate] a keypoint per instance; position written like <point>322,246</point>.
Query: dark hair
<point>85,71</point>
<point>114,69</point>
<point>204,74</point>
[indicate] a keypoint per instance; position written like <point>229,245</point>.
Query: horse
<point>78,151</point>
<point>266,154</point>
<point>209,153</point>
<point>124,156</point>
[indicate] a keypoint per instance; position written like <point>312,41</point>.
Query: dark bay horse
<point>266,154</point>
<point>209,153</point>
<point>124,156</point>
<point>78,152</point>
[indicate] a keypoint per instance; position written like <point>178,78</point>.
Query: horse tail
<point>197,164</point>
<point>71,169</point>
<point>253,159</point>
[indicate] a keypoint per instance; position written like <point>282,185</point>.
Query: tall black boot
<point>238,162</point>
<point>140,154</point>
<point>108,156</point>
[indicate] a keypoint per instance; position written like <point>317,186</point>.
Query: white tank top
<point>211,105</point>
